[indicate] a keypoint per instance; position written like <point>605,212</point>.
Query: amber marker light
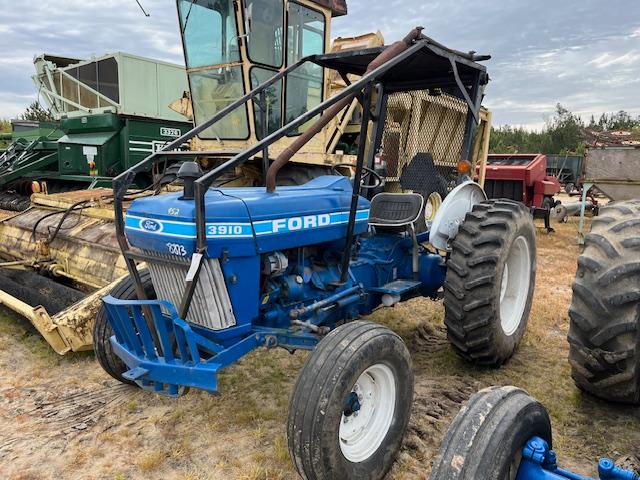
<point>464,167</point>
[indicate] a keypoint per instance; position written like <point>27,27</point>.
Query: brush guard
<point>165,355</point>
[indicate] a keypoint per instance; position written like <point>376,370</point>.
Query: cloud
<point>584,54</point>
<point>608,59</point>
<point>79,29</point>
<point>541,50</point>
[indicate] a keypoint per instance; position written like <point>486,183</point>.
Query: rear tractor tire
<point>102,331</point>
<point>490,281</point>
<point>485,439</point>
<point>351,404</point>
<point>604,329</point>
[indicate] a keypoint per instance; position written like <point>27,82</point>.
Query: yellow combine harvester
<point>58,258</point>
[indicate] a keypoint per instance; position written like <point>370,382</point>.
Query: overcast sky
<point>584,54</point>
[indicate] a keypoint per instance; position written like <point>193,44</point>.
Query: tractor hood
<point>246,221</point>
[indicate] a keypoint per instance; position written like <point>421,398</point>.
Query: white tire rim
<point>514,286</point>
<point>431,207</point>
<point>362,432</point>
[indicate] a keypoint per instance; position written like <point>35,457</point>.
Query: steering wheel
<point>366,173</point>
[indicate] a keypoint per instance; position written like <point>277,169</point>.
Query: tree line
<point>564,133</point>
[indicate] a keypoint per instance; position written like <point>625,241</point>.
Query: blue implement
<point>539,463</point>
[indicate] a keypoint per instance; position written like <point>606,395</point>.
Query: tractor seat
<point>395,209</point>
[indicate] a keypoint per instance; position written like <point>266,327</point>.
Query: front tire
<point>604,328</point>
<point>102,331</point>
<point>485,439</point>
<point>490,282</point>
<point>351,404</point>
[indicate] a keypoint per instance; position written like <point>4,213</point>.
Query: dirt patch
<point>63,417</point>
<point>53,417</point>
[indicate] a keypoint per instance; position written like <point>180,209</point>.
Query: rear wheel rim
<point>431,206</point>
<point>514,286</point>
<point>362,431</point>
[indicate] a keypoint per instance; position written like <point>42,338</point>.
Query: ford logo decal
<point>150,225</point>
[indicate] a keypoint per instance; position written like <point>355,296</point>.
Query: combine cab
<point>252,48</point>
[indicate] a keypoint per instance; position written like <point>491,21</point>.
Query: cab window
<point>264,21</point>
<point>211,43</point>
<point>209,32</point>
<point>305,36</point>
<point>273,97</point>
<point>213,90</point>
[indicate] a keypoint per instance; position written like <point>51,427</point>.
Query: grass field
<point>63,417</point>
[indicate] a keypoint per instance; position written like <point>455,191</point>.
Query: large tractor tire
<point>351,404</point>
<point>604,330</point>
<point>485,439</point>
<point>102,331</point>
<point>490,281</point>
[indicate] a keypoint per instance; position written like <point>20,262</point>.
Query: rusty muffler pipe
<point>387,54</point>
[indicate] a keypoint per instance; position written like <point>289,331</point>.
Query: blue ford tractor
<point>228,270</point>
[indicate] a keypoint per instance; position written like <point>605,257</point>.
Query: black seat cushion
<point>395,209</point>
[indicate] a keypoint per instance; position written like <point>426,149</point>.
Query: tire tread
<point>471,277</point>
<point>604,328</point>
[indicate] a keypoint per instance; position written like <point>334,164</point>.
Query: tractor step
<point>135,373</point>
<point>397,287</point>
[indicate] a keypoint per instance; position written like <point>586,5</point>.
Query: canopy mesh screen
<point>422,141</point>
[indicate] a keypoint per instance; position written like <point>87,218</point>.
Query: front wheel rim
<point>364,428</point>
<point>514,285</point>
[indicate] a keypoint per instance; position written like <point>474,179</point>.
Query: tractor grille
<point>210,307</point>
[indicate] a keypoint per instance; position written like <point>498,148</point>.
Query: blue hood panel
<point>247,221</point>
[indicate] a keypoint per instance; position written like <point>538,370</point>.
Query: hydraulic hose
<point>65,213</point>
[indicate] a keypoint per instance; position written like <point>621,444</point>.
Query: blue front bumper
<point>170,354</point>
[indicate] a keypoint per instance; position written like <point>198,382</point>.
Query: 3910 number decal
<point>224,230</point>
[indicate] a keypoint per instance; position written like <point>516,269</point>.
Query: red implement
<point>521,177</point>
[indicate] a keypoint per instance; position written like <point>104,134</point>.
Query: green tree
<point>37,113</point>
<point>562,134</point>
<point>622,121</point>
<point>565,133</point>
<point>5,127</point>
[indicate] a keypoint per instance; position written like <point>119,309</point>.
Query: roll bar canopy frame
<point>475,76</point>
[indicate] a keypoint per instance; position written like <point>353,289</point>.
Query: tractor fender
<point>452,212</point>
